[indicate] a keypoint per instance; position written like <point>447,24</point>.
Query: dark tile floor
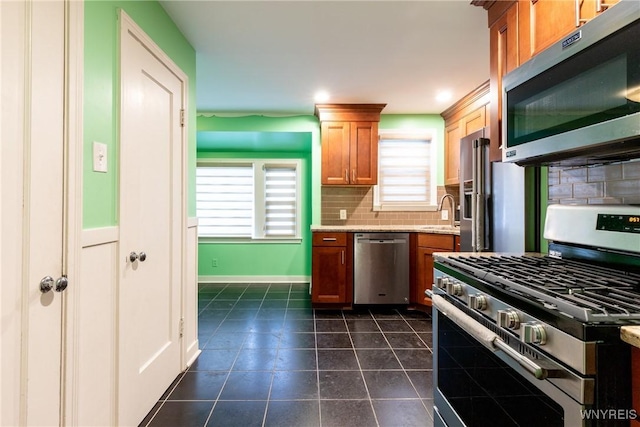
<point>269,359</point>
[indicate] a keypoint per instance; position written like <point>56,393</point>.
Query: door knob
<point>47,283</point>
<point>61,284</point>
<point>133,257</point>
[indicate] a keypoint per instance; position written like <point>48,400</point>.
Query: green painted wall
<point>235,259</point>
<point>266,259</point>
<point>101,95</point>
<point>419,121</point>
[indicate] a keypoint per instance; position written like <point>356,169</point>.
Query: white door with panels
<point>33,233</point>
<point>152,224</point>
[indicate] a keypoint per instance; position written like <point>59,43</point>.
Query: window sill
<point>404,208</point>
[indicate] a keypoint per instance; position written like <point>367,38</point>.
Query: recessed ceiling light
<point>321,96</point>
<point>444,95</point>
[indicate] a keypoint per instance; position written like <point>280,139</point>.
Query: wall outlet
<point>214,262</point>
<point>343,214</point>
<point>444,214</point>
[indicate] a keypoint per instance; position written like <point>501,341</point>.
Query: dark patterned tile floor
<point>269,359</point>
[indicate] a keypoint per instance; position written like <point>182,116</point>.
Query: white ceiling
<point>270,57</point>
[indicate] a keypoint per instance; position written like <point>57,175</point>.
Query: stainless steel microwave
<point>579,100</point>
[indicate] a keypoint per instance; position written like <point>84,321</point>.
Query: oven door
<point>476,384</point>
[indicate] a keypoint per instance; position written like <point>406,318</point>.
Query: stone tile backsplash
<point>358,201</point>
<point>608,184</point>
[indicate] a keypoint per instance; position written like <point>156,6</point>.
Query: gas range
<point>585,292</point>
<point>550,319</point>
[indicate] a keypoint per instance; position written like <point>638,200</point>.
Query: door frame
<point>127,24</point>
<point>73,170</point>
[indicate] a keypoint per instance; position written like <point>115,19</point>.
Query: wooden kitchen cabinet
<point>635,384</point>
<point>425,246</point>
<point>464,117</point>
<point>349,140</point>
<point>332,269</point>
<point>519,30</point>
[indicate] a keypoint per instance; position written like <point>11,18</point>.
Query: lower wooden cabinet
<point>635,383</point>
<point>332,269</point>
<point>425,246</point>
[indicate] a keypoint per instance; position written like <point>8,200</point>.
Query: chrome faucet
<point>453,202</point>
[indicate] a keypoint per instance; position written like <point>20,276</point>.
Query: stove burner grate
<point>587,292</point>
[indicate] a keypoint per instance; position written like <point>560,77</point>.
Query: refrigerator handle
<point>474,191</point>
<point>480,195</point>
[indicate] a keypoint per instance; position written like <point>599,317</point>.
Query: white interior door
<point>151,224</point>
<point>32,36</point>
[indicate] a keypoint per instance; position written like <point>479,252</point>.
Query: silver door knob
<point>142,256</point>
<point>133,257</point>
<point>46,284</point>
<point>61,284</point>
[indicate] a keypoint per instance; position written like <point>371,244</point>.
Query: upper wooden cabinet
<point>464,117</point>
<point>519,30</point>
<point>349,139</point>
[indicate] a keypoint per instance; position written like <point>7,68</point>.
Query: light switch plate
<point>444,214</point>
<point>99,157</point>
<point>343,214</point>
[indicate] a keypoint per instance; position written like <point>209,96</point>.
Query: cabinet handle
<point>578,20</point>
<point>329,239</point>
<point>346,175</point>
<point>342,256</point>
<point>353,176</point>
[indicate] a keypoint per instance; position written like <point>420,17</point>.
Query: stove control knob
<point>454,288</point>
<point>508,319</point>
<point>441,282</point>
<point>478,302</point>
<point>533,333</point>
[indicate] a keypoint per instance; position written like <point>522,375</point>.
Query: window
<point>255,199</point>
<point>406,172</point>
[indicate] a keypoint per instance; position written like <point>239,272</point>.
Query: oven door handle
<point>486,337</point>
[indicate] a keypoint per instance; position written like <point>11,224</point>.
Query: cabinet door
<point>504,48</point>
<point>549,21</point>
<point>335,152</point>
<point>474,121</point>
<point>329,274</point>
<point>424,267</point>
<point>453,133</point>
<point>364,153</point>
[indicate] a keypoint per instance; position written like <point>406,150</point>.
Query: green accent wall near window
<point>260,137</point>
<point>101,95</point>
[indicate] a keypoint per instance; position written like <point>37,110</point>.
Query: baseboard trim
<point>254,279</point>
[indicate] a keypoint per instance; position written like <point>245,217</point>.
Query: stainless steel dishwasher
<point>381,268</point>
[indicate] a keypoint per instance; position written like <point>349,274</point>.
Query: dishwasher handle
<point>366,240</point>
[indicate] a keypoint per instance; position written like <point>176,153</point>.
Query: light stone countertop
<point>430,229</point>
<point>631,335</point>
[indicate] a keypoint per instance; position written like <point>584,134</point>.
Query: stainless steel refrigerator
<point>498,201</point>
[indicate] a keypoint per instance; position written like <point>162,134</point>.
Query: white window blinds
<point>224,200</point>
<point>406,178</point>
<point>280,200</point>
<point>254,199</point>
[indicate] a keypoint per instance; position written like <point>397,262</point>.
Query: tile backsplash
<point>609,184</point>
<point>358,201</point>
